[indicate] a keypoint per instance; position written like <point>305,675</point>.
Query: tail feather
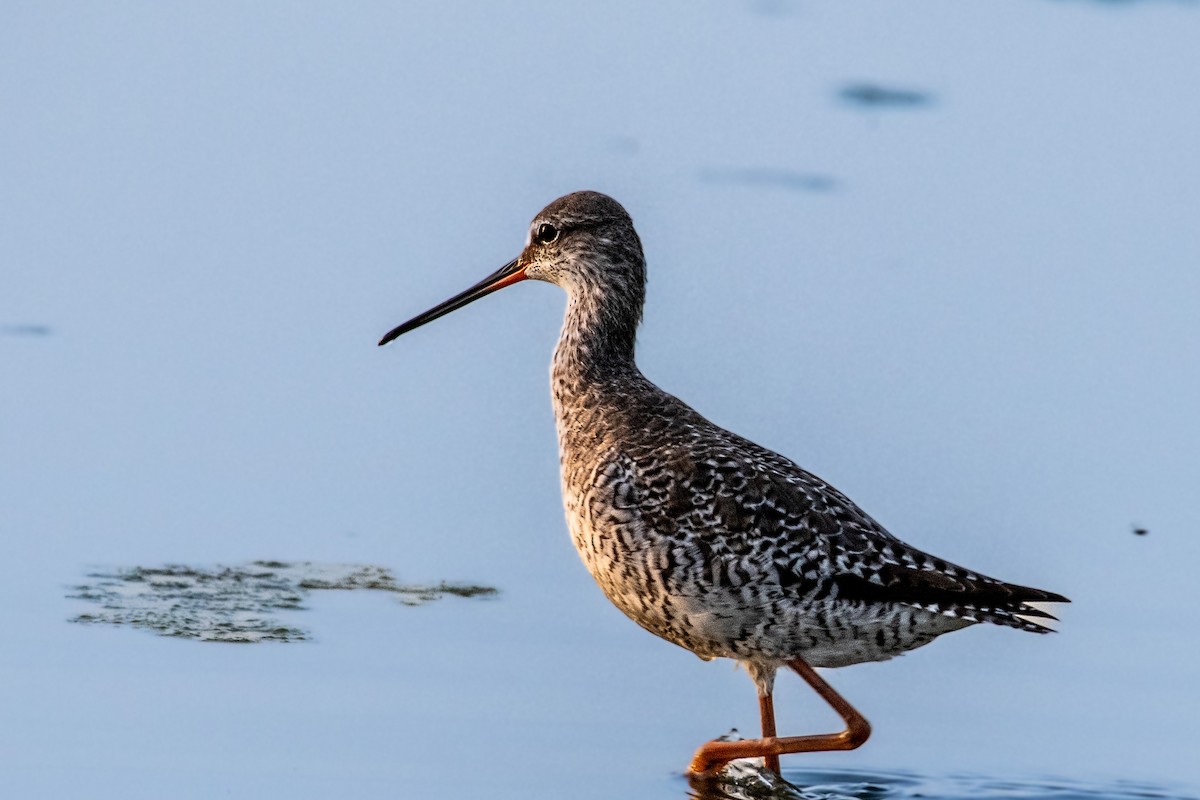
<point>1025,618</point>
<point>927,582</point>
<point>1019,616</point>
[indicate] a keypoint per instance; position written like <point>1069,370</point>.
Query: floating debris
<point>771,178</point>
<point>876,96</point>
<point>238,603</point>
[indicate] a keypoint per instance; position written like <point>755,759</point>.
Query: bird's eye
<point>546,233</point>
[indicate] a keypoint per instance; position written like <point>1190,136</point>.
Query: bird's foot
<point>724,772</point>
<point>712,758</point>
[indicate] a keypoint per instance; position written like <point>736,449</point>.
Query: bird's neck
<point>595,353</point>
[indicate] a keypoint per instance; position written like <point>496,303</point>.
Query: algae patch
<point>237,603</point>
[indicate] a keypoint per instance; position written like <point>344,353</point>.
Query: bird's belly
<point>631,574</point>
<point>754,620</point>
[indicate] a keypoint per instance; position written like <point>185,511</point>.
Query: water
<point>239,603</point>
<point>862,785</point>
<point>975,314</point>
<point>246,604</point>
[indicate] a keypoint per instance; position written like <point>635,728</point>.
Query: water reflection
<point>748,782</point>
<point>743,780</point>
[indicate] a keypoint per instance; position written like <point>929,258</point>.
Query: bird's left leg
<point>713,755</point>
<point>766,708</point>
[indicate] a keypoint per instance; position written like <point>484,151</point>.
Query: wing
<point>746,514</point>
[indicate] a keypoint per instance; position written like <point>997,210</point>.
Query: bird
<point>704,538</point>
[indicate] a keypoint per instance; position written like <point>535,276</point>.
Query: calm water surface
<point>878,785</point>
<point>942,254</point>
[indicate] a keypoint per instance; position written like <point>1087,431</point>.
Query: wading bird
<point>704,538</point>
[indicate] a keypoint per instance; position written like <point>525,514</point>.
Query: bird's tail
<point>1023,608</point>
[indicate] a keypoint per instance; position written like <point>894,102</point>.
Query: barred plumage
<point>700,536</point>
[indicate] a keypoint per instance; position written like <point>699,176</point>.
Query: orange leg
<point>713,755</point>
<point>766,707</point>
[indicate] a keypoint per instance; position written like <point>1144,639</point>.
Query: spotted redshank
<point>704,538</point>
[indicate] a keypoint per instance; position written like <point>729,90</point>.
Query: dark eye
<point>546,233</point>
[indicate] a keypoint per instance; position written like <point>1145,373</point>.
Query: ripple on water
<point>237,603</point>
<point>746,782</point>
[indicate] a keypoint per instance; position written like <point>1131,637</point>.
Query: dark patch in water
<point>25,330</point>
<point>1132,2</point>
<point>1139,531</point>
<point>624,145</point>
<point>237,604</point>
<point>870,95</point>
<point>744,780</point>
<point>770,177</point>
<point>773,8</point>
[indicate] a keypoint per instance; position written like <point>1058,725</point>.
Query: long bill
<point>510,273</point>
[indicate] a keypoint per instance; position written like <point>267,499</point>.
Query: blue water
<point>867,785</point>
<point>965,295</point>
